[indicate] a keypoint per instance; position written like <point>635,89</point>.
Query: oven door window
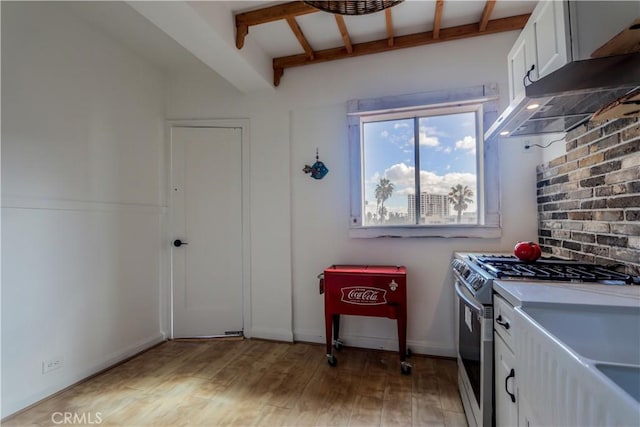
<point>470,345</point>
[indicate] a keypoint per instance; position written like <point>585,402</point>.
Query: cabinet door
<point>550,33</point>
<point>518,65</point>
<point>505,385</point>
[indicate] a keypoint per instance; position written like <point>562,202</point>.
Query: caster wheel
<point>338,345</point>
<point>332,361</point>
<point>405,368</point>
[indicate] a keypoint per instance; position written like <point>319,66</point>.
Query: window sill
<point>457,231</point>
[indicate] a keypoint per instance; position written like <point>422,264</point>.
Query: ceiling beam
<point>486,14</point>
<point>268,14</point>
<point>389,23</point>
<point>344,33</point>
<point>401,42</point>
<point>437,19</point>
<point>300,36</point>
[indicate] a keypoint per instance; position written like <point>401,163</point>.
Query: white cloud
<point>426,140</point>
<point>429,141</point>
<point>402,176</point>
<point>400,125</point>
<point>384,134</point>
<point>432,130</point>
<point>468,143</point>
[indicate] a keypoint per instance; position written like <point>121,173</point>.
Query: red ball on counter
<point>527,251</point>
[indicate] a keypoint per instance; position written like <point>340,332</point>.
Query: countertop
<point>522,293</point>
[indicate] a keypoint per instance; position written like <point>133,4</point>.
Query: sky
<point>447,156</point>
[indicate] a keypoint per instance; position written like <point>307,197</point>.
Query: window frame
<point>484,100</point>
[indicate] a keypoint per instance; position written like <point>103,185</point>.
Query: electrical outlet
<point>52,364</point>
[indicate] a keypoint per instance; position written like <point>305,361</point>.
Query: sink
<point>601,333</point>
<point>626,377</point>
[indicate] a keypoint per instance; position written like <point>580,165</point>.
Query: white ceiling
<point>121,22</point>
<point>179,34</point>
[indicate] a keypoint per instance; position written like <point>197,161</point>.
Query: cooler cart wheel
<point>405,368</point>
<point>338,345</point>
<point>331,359</point>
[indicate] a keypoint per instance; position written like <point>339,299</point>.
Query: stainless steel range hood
<point>568,96</point>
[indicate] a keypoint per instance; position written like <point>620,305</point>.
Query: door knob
<point>177,243</point>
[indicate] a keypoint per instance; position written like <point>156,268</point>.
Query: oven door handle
<point>477,308</point>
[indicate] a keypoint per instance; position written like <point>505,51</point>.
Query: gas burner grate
<point>551,269</point>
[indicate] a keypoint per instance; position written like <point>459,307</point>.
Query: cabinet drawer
<point>503,319</point>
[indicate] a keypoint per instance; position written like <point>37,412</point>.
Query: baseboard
<point>272,334</point>
<point>378,343</point>
<point>112,360</point>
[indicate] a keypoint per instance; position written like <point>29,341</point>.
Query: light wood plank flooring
<point>259,383</point>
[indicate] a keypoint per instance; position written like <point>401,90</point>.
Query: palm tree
<point>459,196</point>
<point>384,190</point>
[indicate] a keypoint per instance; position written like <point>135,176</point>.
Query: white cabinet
<point>549,30</point>
<point>506,401</point>
<point>512,406</point>
<point>519,61</point>
<point>559,32</point>
<point>505,377</point>
<point>542,47</point>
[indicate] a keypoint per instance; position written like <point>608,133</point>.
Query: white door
<point>206,216</point>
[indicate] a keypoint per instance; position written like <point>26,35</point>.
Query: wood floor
<point>258,383</point>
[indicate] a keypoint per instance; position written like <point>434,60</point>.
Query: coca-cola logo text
<point>364,296</point>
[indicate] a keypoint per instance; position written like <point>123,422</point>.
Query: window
<point>418,168</point>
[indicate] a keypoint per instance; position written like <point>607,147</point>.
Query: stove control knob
<point>476,282</point>
<point>472,280</point>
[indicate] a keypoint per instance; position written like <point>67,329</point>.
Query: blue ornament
<point>318,170</point>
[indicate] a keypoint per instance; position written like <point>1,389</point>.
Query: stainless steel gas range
<point>474,275</point>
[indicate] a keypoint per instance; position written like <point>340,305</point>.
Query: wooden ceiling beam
<point>401,42</point>
<point>486,14</point>
<point>293,24</point>
<point>437,19</point>
<point>389,23</point>
<point>268,14</point>
<point>274,13</point>
<point>342,27</point>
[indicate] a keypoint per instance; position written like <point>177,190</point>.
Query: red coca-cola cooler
<point>365,290</point>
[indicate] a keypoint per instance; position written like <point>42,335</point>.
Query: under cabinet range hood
<point>568,97</point>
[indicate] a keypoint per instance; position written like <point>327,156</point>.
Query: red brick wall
<point>589,199</point>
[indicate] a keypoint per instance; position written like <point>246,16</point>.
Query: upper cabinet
<point>519,60</point>
<point>559,32</point>
<point>551,37</point>
<point>542,47</point>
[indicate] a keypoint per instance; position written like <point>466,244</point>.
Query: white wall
<point>82,207</point>
<point>300,225</point>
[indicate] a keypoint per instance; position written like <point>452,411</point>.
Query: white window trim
<point>359,111</point>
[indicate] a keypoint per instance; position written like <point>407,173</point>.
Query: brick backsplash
<point>589,198</point>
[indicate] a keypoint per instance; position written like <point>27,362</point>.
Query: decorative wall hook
<point>318,170</point>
